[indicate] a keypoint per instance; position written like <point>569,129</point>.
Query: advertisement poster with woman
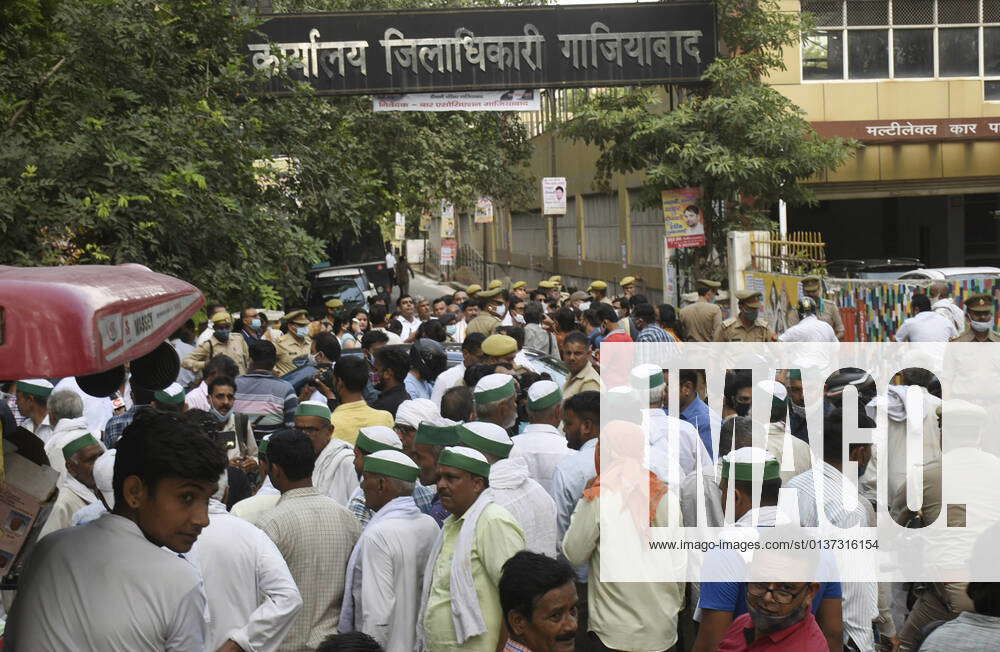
<point>684,220</point>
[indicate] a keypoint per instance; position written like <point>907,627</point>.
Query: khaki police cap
<point>519,284</point>
<point>497,345</point>
<point>979,303</point>
<point>628,280</point>
<point>811,282</point>
<point>489,294</point>
<point>473,289</point>
<point>749,298</point>
<point>495,283</point>
<point>297,317</point>
<point>707,283</point>
<point>546,285</point>
<point>334,303</point>
<point>221,317</point>
<point>597,285</point>
<point>556,279</point>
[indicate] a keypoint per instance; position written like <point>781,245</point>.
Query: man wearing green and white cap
<point>76,486</point>
<point>513,486</point>
<point>460,603</point>
<point>371,439</point>
<point>385,571</point>
<point>31,395</point>
<point>690,448</point>
<point>541,445</point>
<point>333,474</point>
<point>494,396</point>
<point>432,438</point>
<point>170,399</point>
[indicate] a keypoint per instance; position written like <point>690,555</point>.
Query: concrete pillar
<point>956,231</point>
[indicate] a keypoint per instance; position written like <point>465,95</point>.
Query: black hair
<point>373,337</point>
<point>443,300</point>
<point>565,320</point>
<point>395,361</point>
<point>395,326</point>
<point>833,434</point>
<point>534,312</point>
<point>691,207</point>
<point>586,405</point>
<point>159,445</point>
<point>537,294</point>
<point>473,342</point>
<point>704,289</point>
<point>350,642</point>
<point>645,312</point>
<point>769,490</point>
<point>293,451</point>
<point>222,365</point>
<point>477,372</point>
<point>688,376</point>
<point>921,302</point>
<point>513,331</point>
<point>144,396</point>
<point>221,380</point>
<point>526,577</point>
<point>401,297</point>
<point>377,315</point>
<point>457,403</point>
<point>735,433</point>
<point>469,303</point>
<point>576,337</point>
<point>204,420</point>
<point>635,300</point>
<point>353,372</point>
<point>739,379</point>
<point>605,312</point>
<point>667,314</point>
<point>483,302</point>
<point>263,355</point>
<point>328,344</point>
<point>590,318</point>
<point>432,329</point>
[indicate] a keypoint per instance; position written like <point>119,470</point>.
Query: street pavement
<point>425,287</point>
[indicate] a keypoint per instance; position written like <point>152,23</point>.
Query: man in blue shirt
<point>694,410</point>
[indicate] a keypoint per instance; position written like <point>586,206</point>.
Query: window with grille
<point>902,39</point>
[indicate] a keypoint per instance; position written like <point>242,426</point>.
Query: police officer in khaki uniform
<point>333,306</point>
<point>746,327</point>
<point>828,311</point>
<point>293,345</point>
<point>473,289</point>
<point>221,342</point>
<point>700,319</point>
<point>488,320</point>
<point>979,312</point>
<point>630,286</point>
<point>599,290</point>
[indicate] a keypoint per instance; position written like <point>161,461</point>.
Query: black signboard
<point>384,53</point>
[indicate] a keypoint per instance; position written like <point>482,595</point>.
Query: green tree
<point>744,143</point>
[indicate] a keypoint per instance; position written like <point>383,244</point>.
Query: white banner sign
<point>519,100</point>
<point>554,196</point>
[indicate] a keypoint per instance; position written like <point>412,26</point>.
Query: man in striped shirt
<point>644,317</point>
<point>269,401</point>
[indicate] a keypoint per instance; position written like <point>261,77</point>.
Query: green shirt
<point>498,538</point>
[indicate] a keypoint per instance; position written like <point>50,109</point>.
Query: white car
<point>951,273</point>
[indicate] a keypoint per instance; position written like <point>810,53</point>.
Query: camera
<point>324,374</point>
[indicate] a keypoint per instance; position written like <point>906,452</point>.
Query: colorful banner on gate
<point>683,218</point>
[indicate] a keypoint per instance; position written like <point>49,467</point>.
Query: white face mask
<point>519,319</point>
<point>501,310</point>
<point>980,326</point>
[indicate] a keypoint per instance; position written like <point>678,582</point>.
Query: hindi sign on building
<point>554,196</point>
<point>684,221</point>
<point>513,100</point>
<point>488,48</point>
<point>447,220</point>
<point>484,211</point>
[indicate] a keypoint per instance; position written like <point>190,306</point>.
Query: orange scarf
<point>624,472</point>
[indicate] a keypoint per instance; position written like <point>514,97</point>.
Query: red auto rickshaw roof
<point>84,319</point>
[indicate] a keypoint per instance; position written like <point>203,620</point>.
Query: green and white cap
<point>485,437</point>
<point>467,459</point>
<point>777,391</point>
<point>493,388</point>
<point>543,394</point>
<point>78,444</point>
<point>313,409</point>
<point>437,435</point>
<point>174,394</point>
<point>744,461</point>
<point>647,375</point>
<point>392,463</point>
<point>35,386</point>
<point>372,439</point>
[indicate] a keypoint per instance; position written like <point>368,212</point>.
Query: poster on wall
<point>683,218</point>
<point>425,221</point>
<point>400,233</point>
<point>449,251</point>
<point>484,211</point>
<point>780,293</point>
<point>554,196</point>
<point>447,220</point>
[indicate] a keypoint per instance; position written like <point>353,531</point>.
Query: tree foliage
<point>744,143</point>
<point>136,136</point>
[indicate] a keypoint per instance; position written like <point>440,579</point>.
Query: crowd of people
<point>341,483</point>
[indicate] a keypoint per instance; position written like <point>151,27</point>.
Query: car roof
<point>335,273</point>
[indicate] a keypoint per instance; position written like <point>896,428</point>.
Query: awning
<point>84,319</point>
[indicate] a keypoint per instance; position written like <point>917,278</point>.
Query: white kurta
<point>334,474</point>
<point>104,586</point>
<point>542,447</point>
<point>96,410</point>
<point>810,329</point>
<point>72,497</point>
<point>388,579</point>
<point>793,454</point>
<point>528,502</point>
<point>66,430</point>
<point>688,443</point>
<point>252,598</point>
<point>252,508</point>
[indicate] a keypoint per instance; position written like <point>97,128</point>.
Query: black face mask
<point>742,409</point>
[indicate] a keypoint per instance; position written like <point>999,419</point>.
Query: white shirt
<point>252,508</point>
<point>389,577</point>
<point>206,334</point>
<point>334,474</point>
<point>793,454</point>
<point>528,502</point>
<point>197,398</point>
<point>390,260</point>
<point>96,410</point>
<point>810,329</point>
<point>184,376</point>
<point>409,327</point>
<point>445,381</point>
<point>393,338</point>
<point>689,444</point>
<point>104,586</point>
<point>252,598</point>
<point>542,447</point>
<point>926,326</point>
<point>946,308</point>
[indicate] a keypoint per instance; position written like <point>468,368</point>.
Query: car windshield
<point>346,289</point>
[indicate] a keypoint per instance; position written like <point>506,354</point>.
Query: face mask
<point>750,315</point>
<point>742,409</point>
<point>311,359</point>
<point>519,319</point>
<point>222,335</point>
<point>767,623</point>
<point>220,417</point>
<point>255,324</point>
<point>501,310</point>
<point>451,329</point>
<point>980,326</point>
<point>302,331</point>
